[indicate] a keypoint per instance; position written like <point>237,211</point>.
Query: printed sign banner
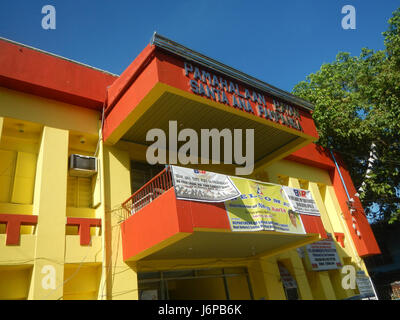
<point>323,255</point>
<point>261,207</point>
<point>199,185</point>
<point>364,285</point>
<point>301,201</point>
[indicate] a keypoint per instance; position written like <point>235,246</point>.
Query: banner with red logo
<point>204,186</point>
<point>323,255</point>
<point>301,201</point>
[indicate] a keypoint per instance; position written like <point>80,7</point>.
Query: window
<point>79,192</point>
<point>141,173</point>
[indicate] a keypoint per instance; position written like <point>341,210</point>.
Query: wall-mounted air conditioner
<point>82,166</point>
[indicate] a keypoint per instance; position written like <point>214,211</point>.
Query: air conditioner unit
<point>82,166</point>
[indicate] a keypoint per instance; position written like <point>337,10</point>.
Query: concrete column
<point>313,187</point>
<point>326,285</point>
<point>301,277</point>
<point>121,278</point>
<point>49,204</point>
<point>272,280</point>
<point>1,126</point>
<point>256,276</point>
<point>322,277</point>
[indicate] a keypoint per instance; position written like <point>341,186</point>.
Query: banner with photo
<point>301,201</point>
<point>200,185</point>
<point>262,207</point>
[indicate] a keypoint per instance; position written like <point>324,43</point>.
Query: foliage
<point>357,102</point>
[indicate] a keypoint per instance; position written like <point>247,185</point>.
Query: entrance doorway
<point>196,284</point>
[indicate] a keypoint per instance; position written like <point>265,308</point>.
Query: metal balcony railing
<point>150,191</point>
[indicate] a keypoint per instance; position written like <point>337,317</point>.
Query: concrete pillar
<point>326,285</point>
<point>301,277</point>
<point>322,277</point>
<point>272,280</point>
<point>121,278</point>
<point>1,126</point>
<point>49,204</point>
<point>256,276</point>
<point>313,187</point>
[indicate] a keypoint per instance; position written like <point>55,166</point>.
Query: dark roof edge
<point>191,55</point>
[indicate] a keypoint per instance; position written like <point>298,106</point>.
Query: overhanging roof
<point>157,88</point>
<point>231,245</point>
<point>268,140</point>
<point>191,55</point>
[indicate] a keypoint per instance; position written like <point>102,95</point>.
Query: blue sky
<point>279,42</point>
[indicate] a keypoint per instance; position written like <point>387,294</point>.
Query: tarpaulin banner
<point>205,186</point>
<point>301,201</point>
<point>365,285</point>
<point>323,255</point>
<point>261,207</point>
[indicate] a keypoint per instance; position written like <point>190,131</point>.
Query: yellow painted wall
<point>36,137</point>
<point>23,106</point>
<point>14,282</point>
<point>81,282</point>
<point>50,206</point>
<point>323,285</point>
<point>121,278</point>
<point>18,156</point>
<point>238,285</point>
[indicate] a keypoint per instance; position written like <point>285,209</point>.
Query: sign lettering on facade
<point>228,92</point>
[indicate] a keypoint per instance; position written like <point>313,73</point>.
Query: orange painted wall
<point>123,98</point>
<point>314,156</point>
<point>166,216</point>
<point>154,65</point>
<point>171,72</point>
<point>154,223</point>
<point>31,71</point>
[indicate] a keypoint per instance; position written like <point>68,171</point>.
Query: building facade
<point>119,232</point>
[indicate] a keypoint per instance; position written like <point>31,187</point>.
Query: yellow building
<point>83,215</point>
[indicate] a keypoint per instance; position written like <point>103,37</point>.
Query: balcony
<point>158,226</point>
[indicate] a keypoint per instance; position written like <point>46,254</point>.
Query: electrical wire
<point>299,271</point>
<point>100,131</point>
<point>69,279</point>
<point>231,263</point>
